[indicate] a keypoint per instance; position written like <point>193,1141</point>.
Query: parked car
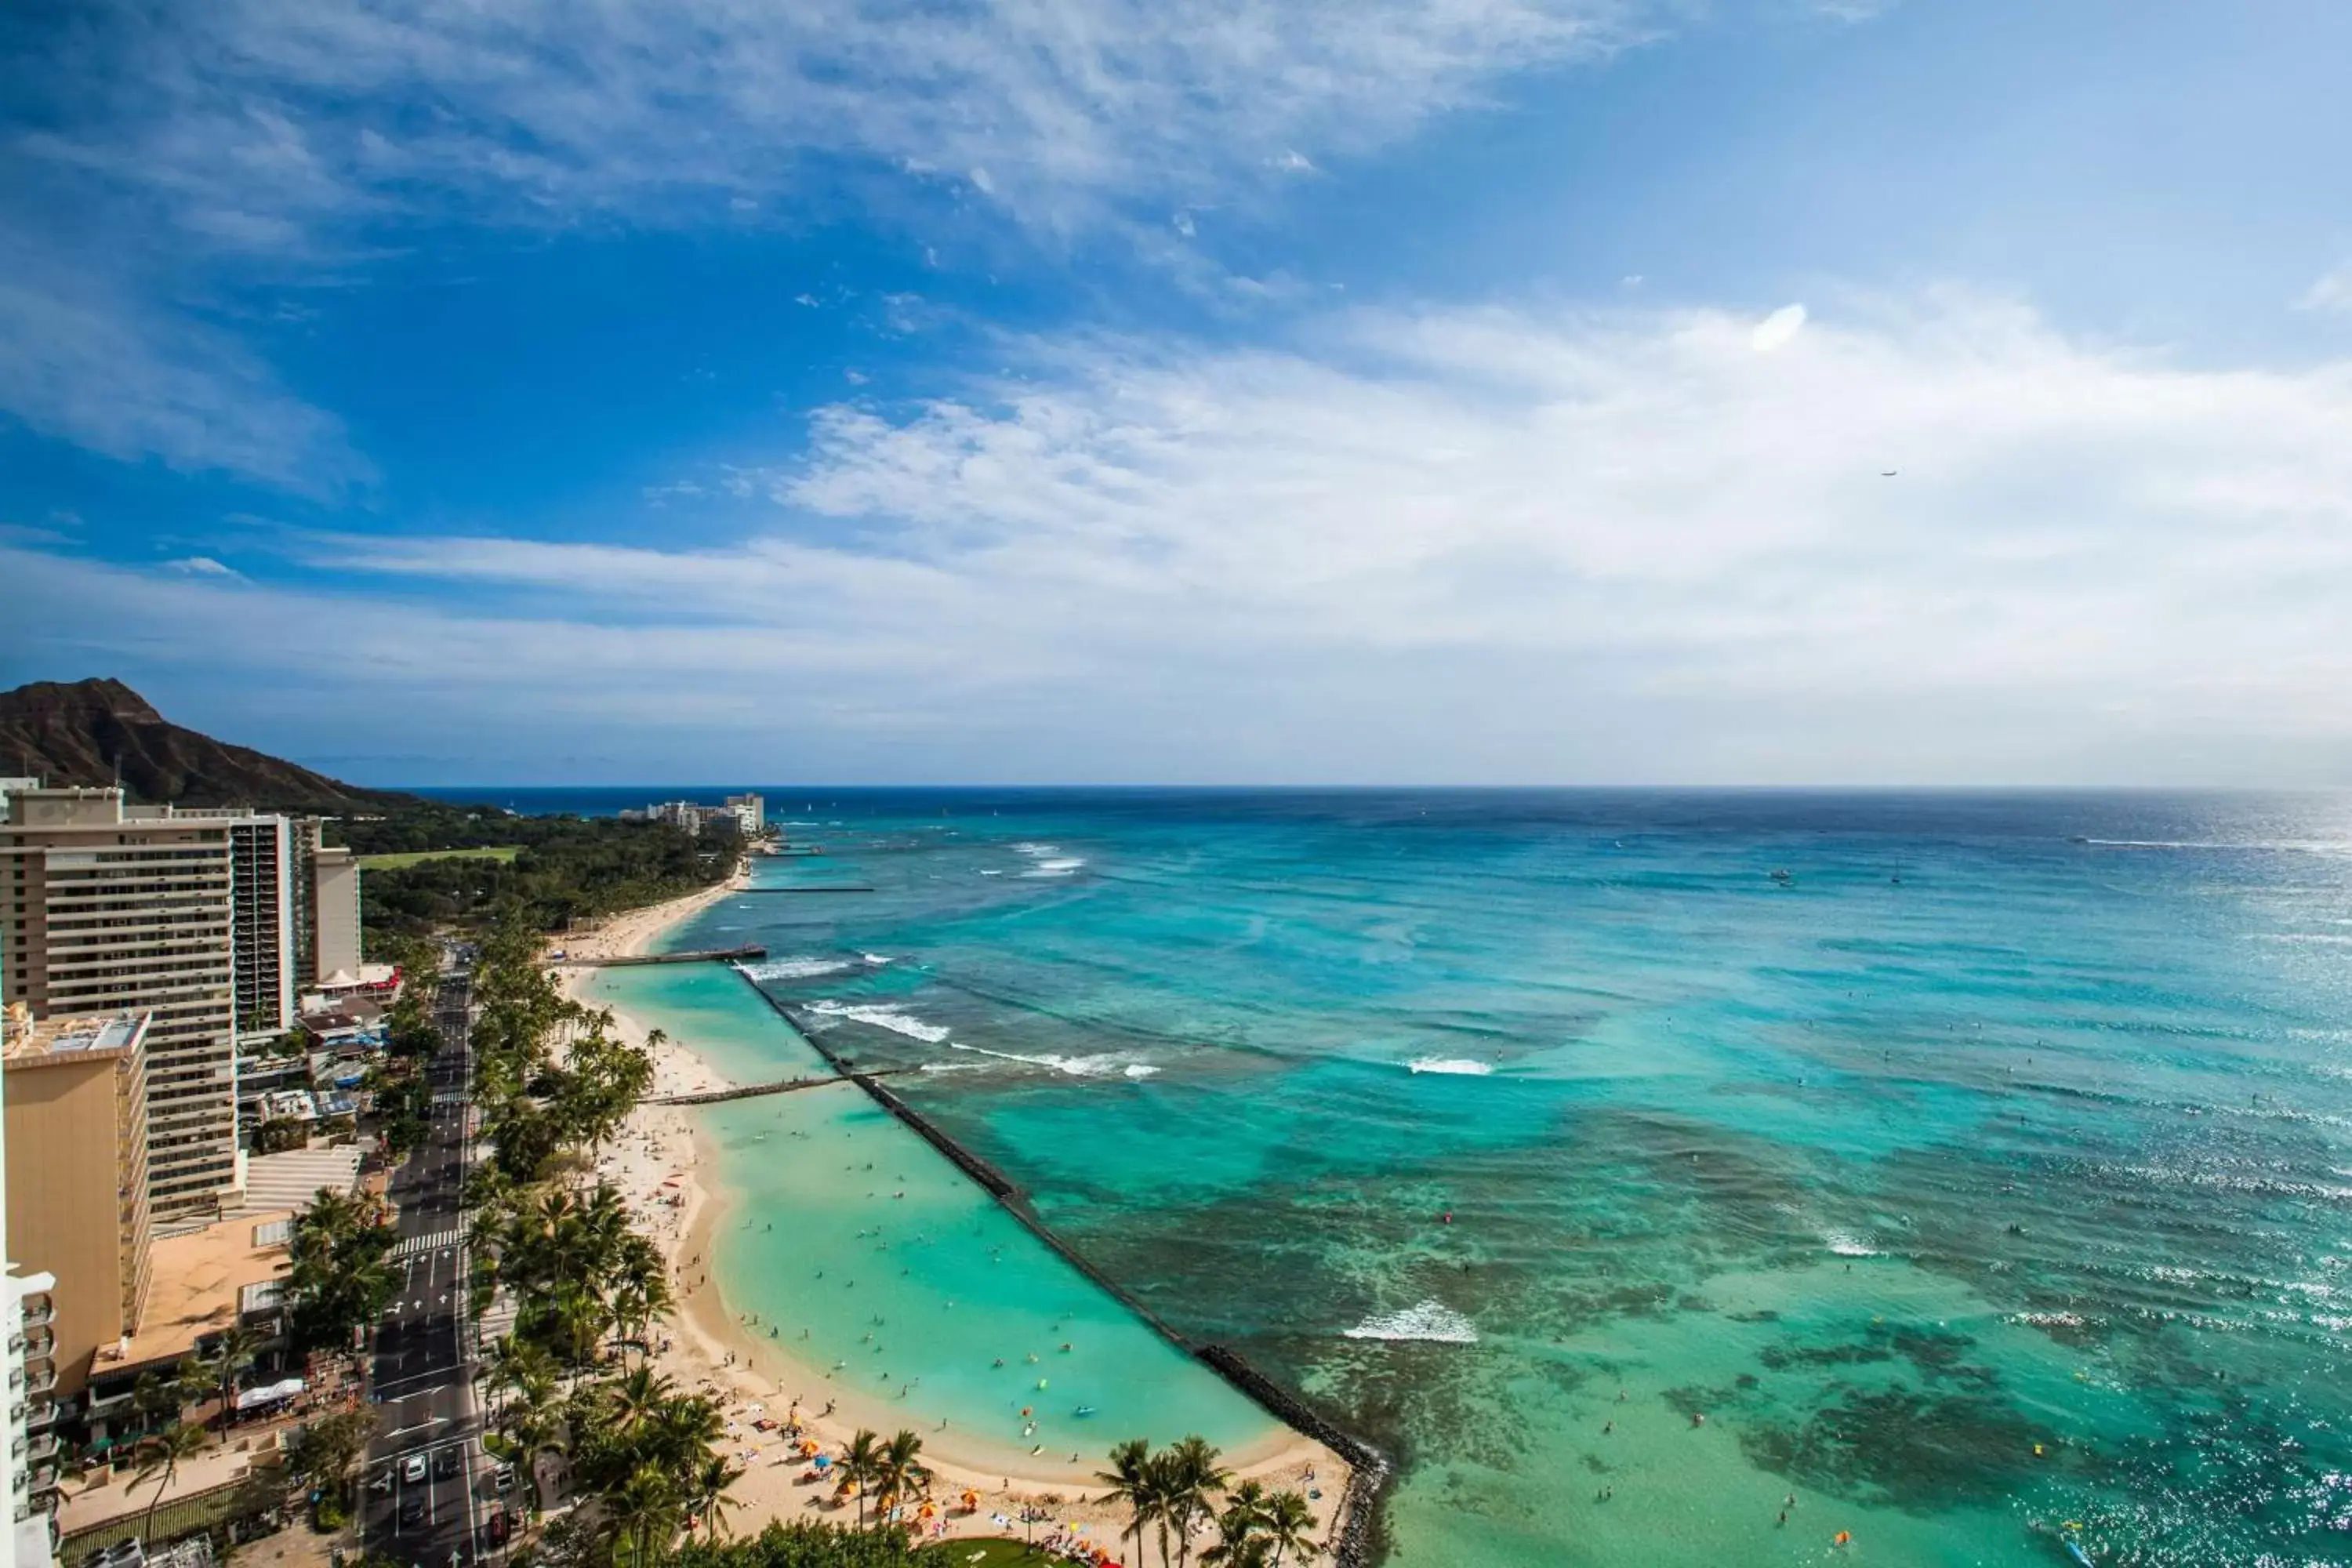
<point>411,1468</point>
<point>503,1480</point>
<point>447,1462</point>
<point>411,1511</point>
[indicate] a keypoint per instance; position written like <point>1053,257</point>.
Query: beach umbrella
<point>971,1501</point>
<point>824,1461</point>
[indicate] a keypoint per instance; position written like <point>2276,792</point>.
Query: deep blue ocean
<point>1979,1167</point>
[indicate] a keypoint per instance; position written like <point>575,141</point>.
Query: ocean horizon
<point>1974,1168</point>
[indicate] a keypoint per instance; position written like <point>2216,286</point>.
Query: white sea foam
<point>2049,1320</point>
<point>1845,1244</point>
<point>1050,860</point>
<point>877,959</point>
<point>793,968</point>
<point>1461,1066</point>
<point>1433,1321</point>
<point>889,1018</point>
<point>1077,1067</point>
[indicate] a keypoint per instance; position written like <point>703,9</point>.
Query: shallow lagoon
<point>2000,1123</point>
<point>898,1277</point>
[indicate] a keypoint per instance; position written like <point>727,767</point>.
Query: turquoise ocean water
<point>1989,1170</point>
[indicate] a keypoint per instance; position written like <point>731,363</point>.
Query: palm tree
<point>1290,1524</point>
<point>1192,1481</point>
<point>641,1509</point>
<point>707,1494</point>
<point>859,1462</point>
<point>685,1434</point>
<point>1133,1482</point>
<point>895,1472</point>
<point>1238,1527</point>
<point>160,1455</point>
<point>236,1348</point>
<point>631,1401</point>
<point>532,1424</point>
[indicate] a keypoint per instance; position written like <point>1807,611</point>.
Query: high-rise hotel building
<point>111,910</point>
<point>212,921</point>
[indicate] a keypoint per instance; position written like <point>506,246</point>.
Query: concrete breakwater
<point>1355,1534</point>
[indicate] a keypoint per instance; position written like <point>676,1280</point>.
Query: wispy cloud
<point>127,376</point>
<point>1494,544</point>
<point>2331,293</point>
<point>155,149</point>
<point>262,124</point>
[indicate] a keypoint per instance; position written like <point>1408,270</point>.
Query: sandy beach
<point>661,1164</point>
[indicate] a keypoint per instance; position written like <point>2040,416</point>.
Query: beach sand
<point>660,1163</point>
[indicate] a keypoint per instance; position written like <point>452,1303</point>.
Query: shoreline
<point>665,1165</point>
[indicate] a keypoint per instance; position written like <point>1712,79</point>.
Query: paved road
<point>419,1377</point>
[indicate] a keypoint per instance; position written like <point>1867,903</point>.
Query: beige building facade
<point>76,1093</point>
<point>335,891</point>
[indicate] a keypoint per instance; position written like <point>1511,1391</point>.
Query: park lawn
<point>995,1554</point>
<point>394,862</point>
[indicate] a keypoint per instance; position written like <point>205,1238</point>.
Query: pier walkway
<point>753,1091</point>
<point>708,955</point>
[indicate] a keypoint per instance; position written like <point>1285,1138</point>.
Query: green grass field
<point>394,862</point>
<point>994,1554</point>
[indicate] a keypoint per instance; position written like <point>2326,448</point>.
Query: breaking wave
<point>791,968</point>
<point>1077,1067</point>
<point>888,1018</point>
<point>1845,1244</point>
<point>1050,860</point>
<point>1432,1320</point>
<point>1462,1066</point>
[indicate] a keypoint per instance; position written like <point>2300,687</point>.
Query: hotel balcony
<point>41,1310</point>
<point>40,1376</point>
<point>34,1342</point>
<point>42,1447</point>
<point>40,1415</point>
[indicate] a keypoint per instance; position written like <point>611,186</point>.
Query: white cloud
<point>1777,330</point>
<point>83,361</point>
<point>1501,545</point>
<point>162,152</point>
<point>205,566</point>
<point>2331,293</point>
<point>262,124</point>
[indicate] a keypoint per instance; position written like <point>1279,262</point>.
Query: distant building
<point>747,814</point>
<point>261,865</point>
<point>751,814</point>
<point>75,1092</point>
<point>335,892</point>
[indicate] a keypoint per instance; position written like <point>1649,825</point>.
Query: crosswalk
<point>419,1246</point>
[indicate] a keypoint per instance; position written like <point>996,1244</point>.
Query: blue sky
<point>1257,390</point>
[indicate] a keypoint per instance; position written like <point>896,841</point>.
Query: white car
<point>412,1469</point>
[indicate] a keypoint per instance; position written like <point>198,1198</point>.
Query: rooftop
<point>280,1184</point>
<point>199,1278</point>
<point>28,1040</point>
